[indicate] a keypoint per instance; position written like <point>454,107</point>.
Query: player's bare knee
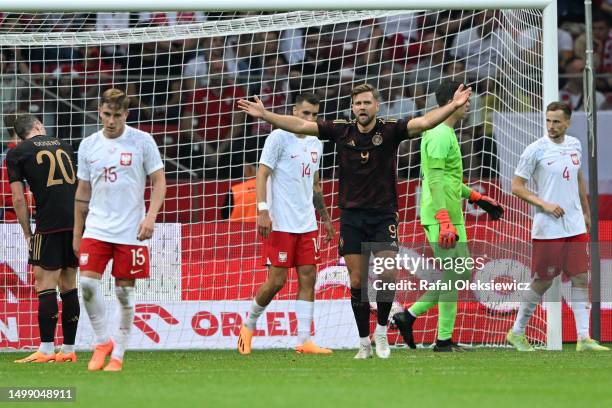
<point>67,280</point>
<point>277,277</point>
<point>307,276</point>
<point>580,280</point>
<point>277,283</point>
<point>541,285</point>
<point>45,279</point>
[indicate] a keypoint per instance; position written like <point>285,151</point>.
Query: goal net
<point>184,72</point>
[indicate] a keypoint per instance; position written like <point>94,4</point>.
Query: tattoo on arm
<point>319,204</point>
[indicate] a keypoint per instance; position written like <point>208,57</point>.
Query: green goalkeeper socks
<point>447,312</point>
<point>422,305</point>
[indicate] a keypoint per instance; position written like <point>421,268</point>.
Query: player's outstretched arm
<point>436,116</point>
<point>289,123</point>
<point>519,189</point>
<point>20,205</point>
<point>264,223</point>
<point>147,226</point>
<point>319,203</point>
<point>490,205</point>
<point>81,208</point>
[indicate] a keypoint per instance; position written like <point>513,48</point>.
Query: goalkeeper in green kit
<point>442,220</point>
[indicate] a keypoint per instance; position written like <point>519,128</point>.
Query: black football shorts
<point>377,230</point>
<point>52,251</point>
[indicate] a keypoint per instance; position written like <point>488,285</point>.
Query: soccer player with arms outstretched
<point>289,165</point>
<point>442,219</point>
<point>46,164</point>
<point>559,232</point>
<point>110,221</point>
<point>367,155</point>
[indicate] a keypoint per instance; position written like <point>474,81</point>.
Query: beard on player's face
<point>364,119</point>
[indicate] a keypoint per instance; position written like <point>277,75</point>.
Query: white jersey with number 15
<point>117,170</point>
<point>554,168</point>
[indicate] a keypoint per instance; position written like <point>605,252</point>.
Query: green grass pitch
<point>410,378</point>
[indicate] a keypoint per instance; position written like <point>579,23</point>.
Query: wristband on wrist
<point>262,206</point>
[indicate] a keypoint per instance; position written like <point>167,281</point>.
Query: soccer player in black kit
<point>367,156</point>
<point>47,165</point>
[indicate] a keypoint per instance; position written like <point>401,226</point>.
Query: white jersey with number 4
<point>293,161</point>
<point>117,170</point>
<point>554,168</point>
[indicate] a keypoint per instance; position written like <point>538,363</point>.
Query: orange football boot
<point>244,340</point>
<point>99,355</point>
<point>65,357</point>
<point>310,348</point>
<point>37,357</point>
<point>114,365</point>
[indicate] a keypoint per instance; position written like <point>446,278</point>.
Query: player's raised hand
<point>145,229</point>
<point>255,109</point>
<point>264,223</point>
<point>553,209</point>
<point>330,232</point>
<point>462,95</point>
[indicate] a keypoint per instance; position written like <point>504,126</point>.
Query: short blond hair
<point>363,88</point>
<point>115,99</point>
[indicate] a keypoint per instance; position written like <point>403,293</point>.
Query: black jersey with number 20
<point>47,165</point>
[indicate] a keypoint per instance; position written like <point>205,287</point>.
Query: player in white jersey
<point>287,184</point>
<point>559,232</point>
<point>110,220</point>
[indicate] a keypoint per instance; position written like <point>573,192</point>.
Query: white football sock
<point>46,348</point>
<point>365,341</point>
<point>96,309</point>
<point>254,314</point>
<point>582,311</point>
<point>67,348</point>
<point>125,296</point>
<point>526,309</point>
<point>304,311</point>
<point>380,329</point>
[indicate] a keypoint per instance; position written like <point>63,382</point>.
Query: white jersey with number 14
<point>294,162</point>
<point>554,168</point>
<point>117,170</point>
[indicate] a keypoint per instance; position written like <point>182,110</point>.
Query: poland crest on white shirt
<point>294,161</point>
<point>117,170</point>
<point>554,167</point>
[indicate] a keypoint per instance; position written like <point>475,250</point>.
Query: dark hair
<point>115,99</point>
<point>560,106</point>
<point>307,97</point>
<point>363,88</point>
<point>446,91</point>
<point>24,124</point>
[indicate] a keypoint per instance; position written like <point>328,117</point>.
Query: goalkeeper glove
<point>448,233</point>
<point>492,207</point>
